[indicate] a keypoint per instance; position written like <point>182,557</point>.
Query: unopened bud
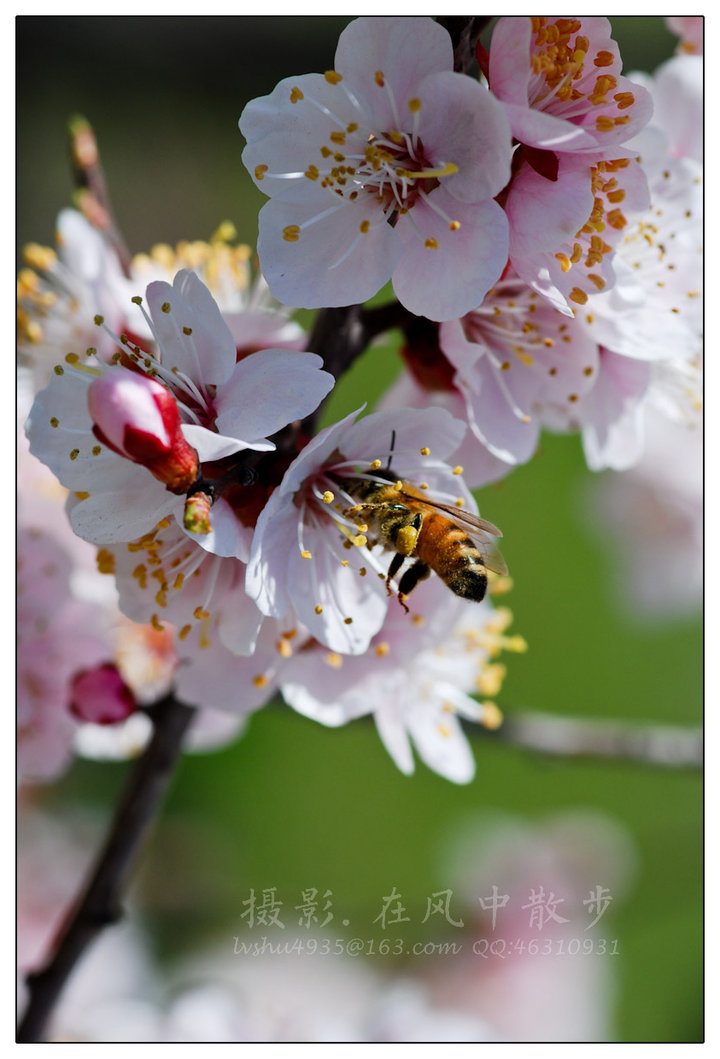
<point>101,696</point>
<point>138,418</point>
<point>196,518</point>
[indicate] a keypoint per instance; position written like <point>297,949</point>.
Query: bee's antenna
<point>392,449</point>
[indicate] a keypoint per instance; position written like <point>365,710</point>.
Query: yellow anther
<point>306,554</point>
<point>604,58</point>
<point>291,234</point>
<point>105,561</point>
<point>40,257</point>
<point>328,497</point>
<point>260,171</point>
<point>492,716</point>
<point>296,95</point>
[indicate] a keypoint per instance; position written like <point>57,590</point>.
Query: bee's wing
<point>490,553</point>
<point>457,514</point>
<point>478,528</point>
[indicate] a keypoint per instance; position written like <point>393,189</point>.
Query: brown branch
<point>464,32</point>
<point>666,746</point>
<point>100,904</point>
<point>92,197</point>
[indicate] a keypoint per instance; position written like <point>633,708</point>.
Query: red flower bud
<point>138,418</point>
<point>101,696</point>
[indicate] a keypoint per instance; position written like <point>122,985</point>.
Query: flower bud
<point>101,696</point>
<point>138,418</point>
<point>196,518</point>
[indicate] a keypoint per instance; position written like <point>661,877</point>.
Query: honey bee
<point>456,544</point>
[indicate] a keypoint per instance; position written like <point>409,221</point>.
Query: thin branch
<point>92,197</point>
<point>667,746</point>
<point>341,335</point>
<point>100,904</point>
<point>464,32</point>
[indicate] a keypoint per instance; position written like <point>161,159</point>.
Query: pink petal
<point>269,389</point>
<point>477,139</point>
<point>403,49</point>
<point>452,278</point>
<point>333,262</point>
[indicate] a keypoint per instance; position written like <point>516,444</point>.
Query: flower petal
<point>333,260</point>
<point>403,49</point>
<point>282,385</point>
<point>190,329</point>
<point>446,273</point>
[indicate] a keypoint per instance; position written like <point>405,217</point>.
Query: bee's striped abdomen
<point>448,550</point>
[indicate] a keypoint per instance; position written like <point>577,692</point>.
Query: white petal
<point>207,354</point>
<point>269,389</point>
<point>333,262</point>
<point>228,537</point>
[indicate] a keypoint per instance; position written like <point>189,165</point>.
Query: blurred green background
<point>293,805</point>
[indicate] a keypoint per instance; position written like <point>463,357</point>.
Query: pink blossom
<point>369,181</point>
<point>563,233</point>
<point>572,113</point>
<point>225,407</point>
<point>480,466</point>
<point>57,637</point>
<point>537,987</point>
<point>677,91</point>
<point>516,359</point>
<point>416,678</point>
<point>560,85</point>
<point>507,368</point>
<point>690,30</point>
<point>654,515</point>
<point>308,556</point>
<point>60,291</point>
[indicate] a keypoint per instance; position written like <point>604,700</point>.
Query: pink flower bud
<point>101,696</point>
<point>138,418</point>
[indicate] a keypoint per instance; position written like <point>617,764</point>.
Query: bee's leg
<point>397,561</point>
<point>419,571</point>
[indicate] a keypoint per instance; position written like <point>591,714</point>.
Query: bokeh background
<point>292,805</point>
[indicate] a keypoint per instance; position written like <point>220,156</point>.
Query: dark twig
<point>340,335</point>
<point>92,197</point>
<point>667,746</point>
<point>100,904</point>
<point>464,32</point>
